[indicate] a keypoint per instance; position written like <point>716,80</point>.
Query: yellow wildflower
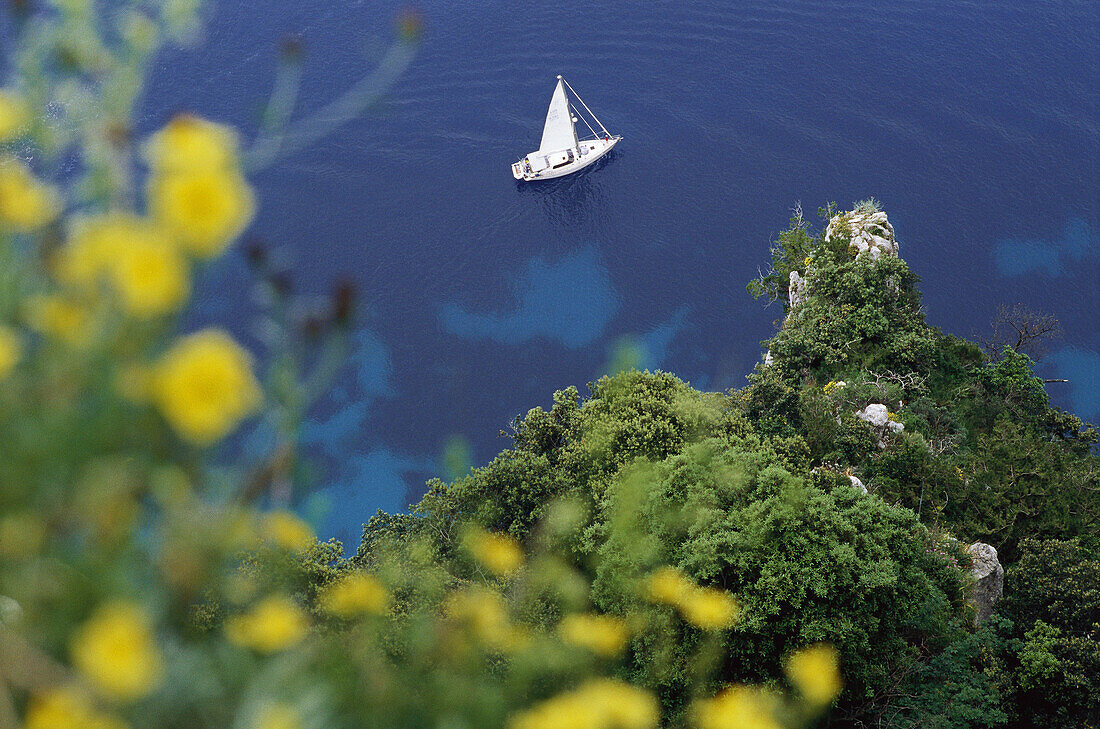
<point>355,594</point>
<point>288,531</point>
<point>600,703</point>
<point>274,624</point>
<point>604,635</point>
<point>67,708</point>
<point>22,534</point>
<point>137,258</point>
<point>738,707</point>
<point>815,673</point>
<point>806,263</point>
<point>278,715</point>
<point>25,203</point>
<point>709,608</point>
<point>59,317</point>
<point>668,586</point>
<point>95,243</point>
<point>190,144</point>
<point>483,613</point>
<point>205,209</point>
<point>204,386</point>
<point>500,553</point>
<point>11,349</point>
<point>14,115</point>
<point>151,278</point>
<point>115,650</point>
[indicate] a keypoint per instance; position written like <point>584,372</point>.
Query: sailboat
<point>561,152</point>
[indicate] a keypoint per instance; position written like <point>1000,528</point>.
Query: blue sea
<point>976,125</point>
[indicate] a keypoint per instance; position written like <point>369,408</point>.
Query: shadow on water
<point>571,198</point>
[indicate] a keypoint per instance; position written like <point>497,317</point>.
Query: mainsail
<point>558,133</point>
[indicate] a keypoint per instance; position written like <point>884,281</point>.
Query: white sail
<point>558,133</point>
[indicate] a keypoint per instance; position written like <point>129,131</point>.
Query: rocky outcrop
<point>989,579</point>
<point>856,483</point>
<point>878,417</point>
<point>796,289</point>
<point>868,229</point>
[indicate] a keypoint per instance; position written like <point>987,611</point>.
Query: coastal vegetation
<point>791,553</point>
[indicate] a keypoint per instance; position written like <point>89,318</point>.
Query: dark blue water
<point>976,124</point>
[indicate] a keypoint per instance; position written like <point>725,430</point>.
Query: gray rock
<point>875,414</point>
<point>796,289</point>
<point>989,580</point>
<point>878,417</point>
<point>857,483</point>
<point>870,232</point>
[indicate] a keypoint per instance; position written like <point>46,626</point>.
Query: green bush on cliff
<point>1052,598</point>
<point>983,454</point>
<point>667,475</point>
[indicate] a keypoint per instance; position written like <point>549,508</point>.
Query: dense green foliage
<point>808,565</point>
<point>983,453</point>
<point>1052,598</point>
<point>750,491</point>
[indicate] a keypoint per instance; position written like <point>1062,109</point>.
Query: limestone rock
<point>878,417</point>
<point>870,231</point>
<point>857,483</point>
<point>875,414</point>
<point>796,289</point>
<point>989,579</point>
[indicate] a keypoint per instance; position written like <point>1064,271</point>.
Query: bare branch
<point>1022,329</point>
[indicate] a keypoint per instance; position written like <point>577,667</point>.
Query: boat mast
<point>585,107</point>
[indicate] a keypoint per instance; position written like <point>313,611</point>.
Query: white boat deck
<point>548,165</point>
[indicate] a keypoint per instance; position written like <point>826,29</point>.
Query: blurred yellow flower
<point>278,715</point>
<point>288,531</point>
<point>11,349</point>
<point>151,277</point>
<point>139,260</point>
<point>204,386</point>
<point>500,553</point>
<point>604,635</point>
<point>22,534</point>
<point>59,317</point>
<point>483,613</point>
<point>25,203</point>
<point>67,708</point>
<point>205,209</point>
<point>14,114</point>
<point>95,242</point>
<point>116,651</point>
<point>190,144</point>
<point>272,625</point>
<point>668,586</point>
<point>600,703</point>
<point>354,595</point>
<point>738,707</point>
<point>815,672</point>
<point>709,608</point>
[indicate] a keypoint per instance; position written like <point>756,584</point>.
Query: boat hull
<point>593,150</point>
